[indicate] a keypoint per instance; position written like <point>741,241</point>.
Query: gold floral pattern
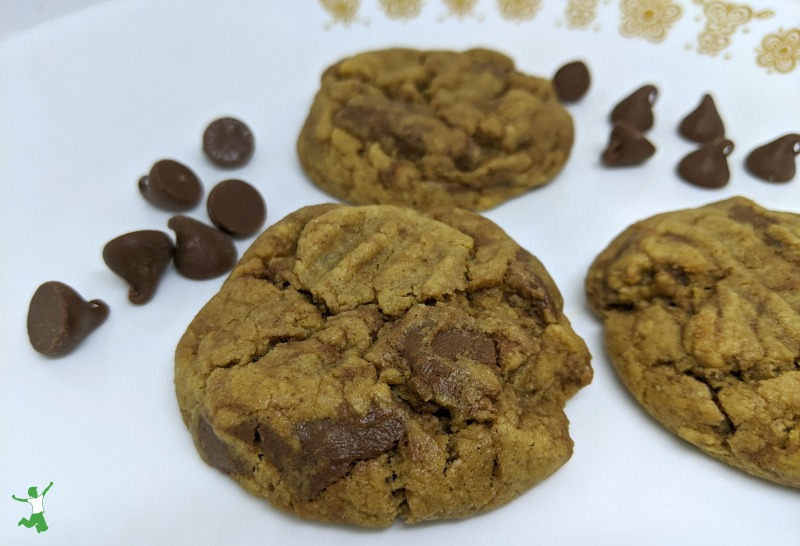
<point>648,19</point>
<point>343,11</point>
<point>460,8</point>
<point>722,21</point>
<point>780,51</point>
<point>580,13</point>
<point>401,9</point>
<point>519,10</point>
<point>651,20</point>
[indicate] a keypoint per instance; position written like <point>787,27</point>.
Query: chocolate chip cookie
<point>701,310</point>
<point>433,128</point>
<point>365,363</point>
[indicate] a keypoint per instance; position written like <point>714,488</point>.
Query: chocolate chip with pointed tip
<point>228,142</point>
<point>140,257</point>
<point>775,160</point>
<point>626,147</point>
<point>201,251</point>
<point>236,207</point>
<point>703,124</point>
<point>171,185</point>
<point>636,110</point>
<point>59,318</point>
<point>572,81</point>
<point>707,166</point>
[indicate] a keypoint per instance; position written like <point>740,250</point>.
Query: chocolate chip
<point>329,447</point>
<point>453,344</point>
<point>703,124</point>
<point>214,451</point>
<point>775,161</point>
<point>707,166</point>
<point>171,186</point>
<point>59,318</point>
<point>636,110</point>
<point>228,142</point>
<point>626,147</point>
<point>236,207</point>
<point>201,251</point>
<point>572,81</point>
<point>140,257</point>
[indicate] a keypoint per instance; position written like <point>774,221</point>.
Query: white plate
<point>90,99</point>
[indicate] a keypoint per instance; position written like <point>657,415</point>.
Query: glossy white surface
<point>89,100</point>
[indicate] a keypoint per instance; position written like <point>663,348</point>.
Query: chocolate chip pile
<point>59,318</point>
<point>706,166</point>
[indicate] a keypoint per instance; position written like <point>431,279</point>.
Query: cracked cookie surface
<point>433,128</point>
<point>367,363</point>
<point>701,310</point>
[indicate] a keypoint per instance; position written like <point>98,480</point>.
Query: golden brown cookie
<point>365,363</point>
<point>701,310</point>
<point>433,128</point>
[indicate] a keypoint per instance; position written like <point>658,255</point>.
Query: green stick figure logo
<point>37,509</point>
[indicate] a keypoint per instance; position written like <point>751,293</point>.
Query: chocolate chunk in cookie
<point>701,310</point>
<point>433,128</point>
<point>362,364</point>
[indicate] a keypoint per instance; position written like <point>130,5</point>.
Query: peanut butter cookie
<point>365,363</point>
<point>701,310</point>
<point>433,128</point>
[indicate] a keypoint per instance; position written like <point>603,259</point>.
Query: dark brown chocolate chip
<point>707,166</point>
<point>236,207</point>
<point>201,251</point>
<point>572,81</point>
<point>171,186</point>
<point>703,124</point>
<point>59,318</point>
<point>228,142</point>
<point>452,344</point>
<point>140,257</point>
<point>329,447</point>
<point>626,147</point>
<point>636,110</point>
<point>775,161</point>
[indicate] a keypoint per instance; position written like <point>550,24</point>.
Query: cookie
<point>701,310</point>
<point>433,128</point>
<point>365,363</point>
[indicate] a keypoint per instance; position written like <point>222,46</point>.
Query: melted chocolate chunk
<point>201,251</point>
<point>236,207</point>
<point>749,215</point>
<point>703,124</point>
<point>707,166</point>
<point>171,186</point>
<point>636,110</point>
<point>214,450</point>
<point>140,257</point>
<point>59,318</point>
<point>228,142</point>
<point>626,147</point>
<point>455,344</point>
<point>328,448</point>
<point>775,161</point>
<point>572,81</point>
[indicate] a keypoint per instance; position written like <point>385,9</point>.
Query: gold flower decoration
<point>722,21</point>
<point>343,11</point>
<point>460,8</point>
<point>518,9</point>
<point>401,9</point>
<point>580,13</point>
<point>780,51</point>
<point>648,19</point>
